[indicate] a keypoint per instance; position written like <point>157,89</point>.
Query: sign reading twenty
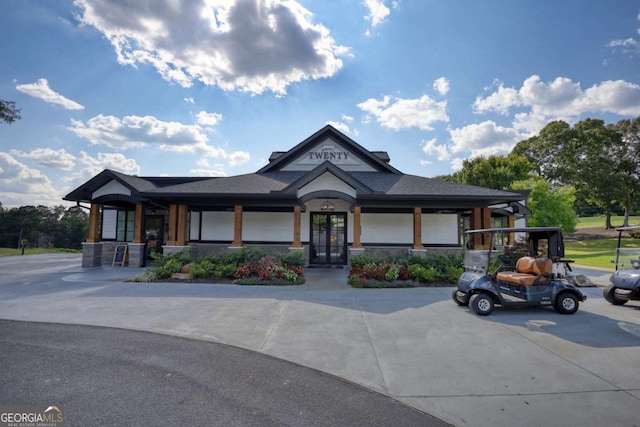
<point>328,152</point>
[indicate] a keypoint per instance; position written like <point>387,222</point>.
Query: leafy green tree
<point>72,228</point>
<point>551,152</point>
<point>8,111</point>
<point>497,172</point>
<point>551,207</point>
<point>629,131</point>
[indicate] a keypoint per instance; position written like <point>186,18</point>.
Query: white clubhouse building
<point>327,196</point>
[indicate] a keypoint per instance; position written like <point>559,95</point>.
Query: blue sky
<point>212,87</point>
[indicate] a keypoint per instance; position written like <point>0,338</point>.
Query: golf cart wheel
<point>566,303</point>
<point>462,300</point>
<point>609,293</point>
<point>481,303</point>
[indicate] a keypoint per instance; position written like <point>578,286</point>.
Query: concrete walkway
<point>515,367</point>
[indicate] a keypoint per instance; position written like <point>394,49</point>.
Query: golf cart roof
<point>517,230</point>
<point>630,228</point>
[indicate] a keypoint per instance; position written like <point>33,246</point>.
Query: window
<point>125,226</point>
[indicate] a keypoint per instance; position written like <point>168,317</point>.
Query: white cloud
<point>208,119</point>
<point>342,127</point>
<point>439,151</point>
<point>208,172</point>
<point>484,139</point>
<point>21,185</point>
<point>113,161</point>
<point>441,85</point>
<point>457,163</point>
<point>48,157</point>
<point>41,89</point>
<point>406,113</point>
<point>378,11</point>
<point>563,99</point>
<point>248,45</point>
<point>140,131</point>
<point>190,100</point>
<point>628,46</point>
<point>238,157</point>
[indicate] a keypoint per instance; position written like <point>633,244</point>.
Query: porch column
<point>417,229</point>
<point>237,227</point>
<point>93,234</point>
<point>511,238</point>
<point>357,212</point>
<point>297,219</point>
<point>137,228</point>
<point>92,248</point>
<point>480,218</point>
<point>136,249</point>
<point>181,232</point>
<point>173,225</point>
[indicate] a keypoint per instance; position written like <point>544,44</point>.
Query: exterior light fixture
<point>327,206</point>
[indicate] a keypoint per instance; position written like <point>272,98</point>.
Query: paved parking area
<point>515,367</point>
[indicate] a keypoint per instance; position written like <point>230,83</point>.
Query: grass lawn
<point>597,252</point>
<point>598,221</point>
<point>34,251</point>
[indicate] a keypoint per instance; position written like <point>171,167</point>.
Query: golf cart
<point>625,281</point>
<point>534,273</point>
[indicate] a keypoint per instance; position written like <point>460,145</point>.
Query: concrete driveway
<point>515,367</point>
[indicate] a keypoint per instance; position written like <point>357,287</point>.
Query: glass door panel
<point>328,238</point>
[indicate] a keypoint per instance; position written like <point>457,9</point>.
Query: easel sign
<point>120,255</point>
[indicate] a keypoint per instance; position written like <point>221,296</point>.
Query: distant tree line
<point>588,169</point>
<point>42,226</point>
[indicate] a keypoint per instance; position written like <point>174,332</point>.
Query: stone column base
<point>168,250</point>
<point>418,252</point>
<point>137,254</point>
<point>91,254</point>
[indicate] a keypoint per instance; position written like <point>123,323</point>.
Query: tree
<point>551,207</point>
<point>72,228</point>
<point>497,172</point>
<point>551,152</point>
<point>629,131</point>
<point>591,157</point>
<point>8,111</point>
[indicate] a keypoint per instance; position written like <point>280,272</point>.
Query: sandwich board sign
<point>120,255</point>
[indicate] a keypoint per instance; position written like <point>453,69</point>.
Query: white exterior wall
<point>194,226</point>
<point>267,226</point>
<point>217,225</point>
<point>440,229</point>
<point>111,187</point>
<point>327,181</point>
<point>386,228</point>
<point>109,223</point>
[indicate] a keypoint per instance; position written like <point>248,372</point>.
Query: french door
<point>328,238</point>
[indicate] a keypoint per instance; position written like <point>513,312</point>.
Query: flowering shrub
<point>367,271</point>
<point>248,264</point>
<point>266,268</point>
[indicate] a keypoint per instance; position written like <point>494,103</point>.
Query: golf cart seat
<point>529,271</point>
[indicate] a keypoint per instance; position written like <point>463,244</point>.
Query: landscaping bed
<point>246,266</point>
<point>432,270</point>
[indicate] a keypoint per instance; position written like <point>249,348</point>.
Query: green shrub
<point>165,265</point>
<point>292,259</point>
<point>422,274</point>
<point>363,259</point>
<point>202,268</point>
<point>226,270</point>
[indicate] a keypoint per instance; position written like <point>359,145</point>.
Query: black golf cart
<point>625,281</point>
<point>532,273</point>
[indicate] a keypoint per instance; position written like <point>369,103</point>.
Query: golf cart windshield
<point>627,258</point>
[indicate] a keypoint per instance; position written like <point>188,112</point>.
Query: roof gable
<point>325,173</point>
<point>329,145</point>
